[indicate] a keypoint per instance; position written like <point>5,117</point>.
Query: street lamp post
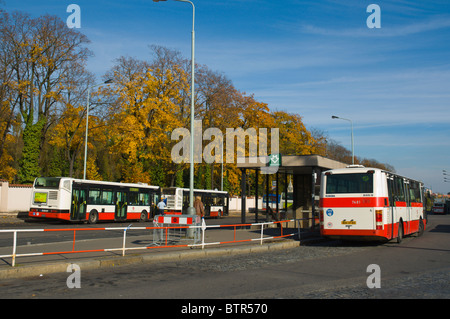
<point>191,209</point>
<point>87,122</point>
<point>353,147</point>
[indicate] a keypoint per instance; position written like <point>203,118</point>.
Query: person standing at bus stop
<point>200,212</point>
<point>161,206</point>
<point>198,205</point>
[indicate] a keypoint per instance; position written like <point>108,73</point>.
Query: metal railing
<point>198,238</point>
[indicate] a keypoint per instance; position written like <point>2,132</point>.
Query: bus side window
<point>390,186</point>
<point>145,199</point>
<point>399,195</point>
<point>107,197</point>
<point>94,196</point>
<point>415,192</point>
<point>408,194</point>
<point>132,198</point>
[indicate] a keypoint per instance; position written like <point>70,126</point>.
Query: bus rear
<point>352,205</point>
<point>51,198</point>
<point>438,208</point>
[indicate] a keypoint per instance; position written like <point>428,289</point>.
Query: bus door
<point>78,206</point>
<point>390,184</point>
<point>121,205</point>
<point>218,205</point>
<point>408,206</point>
<point>207,201</point>
<point>226,201</point>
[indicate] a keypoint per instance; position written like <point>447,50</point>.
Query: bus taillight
<point>379,219</point>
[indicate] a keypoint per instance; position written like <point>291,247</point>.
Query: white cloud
<point>386,30</point>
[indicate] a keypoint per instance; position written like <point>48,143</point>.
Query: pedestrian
<point>161,206</point>
<point>198,205</point>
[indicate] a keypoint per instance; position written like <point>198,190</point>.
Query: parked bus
<point>273,199</point>
<point>84,200</point>
<point>177,200</point>
<point>371,204</point>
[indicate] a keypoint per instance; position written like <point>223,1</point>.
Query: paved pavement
<point>41,265</point>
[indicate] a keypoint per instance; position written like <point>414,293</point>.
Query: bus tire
<point>93,217</point>
<point>144,216</point>
<point>421,228</point>
<point>400,232</point>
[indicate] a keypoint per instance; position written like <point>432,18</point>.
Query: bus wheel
<point>144,217</point>
<point>421,228</point>
<point>400,232</point>
<point>93,217</point>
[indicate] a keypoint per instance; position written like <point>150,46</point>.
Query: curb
<point>108,262</point>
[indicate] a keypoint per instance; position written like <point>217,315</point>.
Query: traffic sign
<point>275,160</point>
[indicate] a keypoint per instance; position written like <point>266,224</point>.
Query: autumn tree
<point>320,140</point>
<point>147,104</point>
<point>295,139</point>
<point>216,107</point>
<point>7,106</point>
<point>167,61</point>
<point>68,131</point>
<point>41,50</point>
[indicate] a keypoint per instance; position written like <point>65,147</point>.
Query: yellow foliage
<point>295,139</point>
<point>134,173</point>
<point>6,170</point>
<point>147,116</point>
<point>92,170</point>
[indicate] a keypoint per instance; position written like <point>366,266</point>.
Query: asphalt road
<point>418,268</point>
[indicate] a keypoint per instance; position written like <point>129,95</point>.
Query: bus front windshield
<point>349,183</point>
<point>47,182</point>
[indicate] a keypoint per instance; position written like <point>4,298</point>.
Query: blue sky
<point>315,58</point>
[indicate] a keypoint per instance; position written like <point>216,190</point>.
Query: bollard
<point>14,249</point>
<point>203,232</point>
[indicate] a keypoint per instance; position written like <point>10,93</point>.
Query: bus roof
<point>86,181</point>
<point>363,169</point>
<point>196,190</point>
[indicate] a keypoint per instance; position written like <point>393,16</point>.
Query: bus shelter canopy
<point>305,171</point>
<point>293,164</point>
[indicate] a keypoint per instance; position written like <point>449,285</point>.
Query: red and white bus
<point>84,200</point>
<point>177,200</point>
<point>370,204</point>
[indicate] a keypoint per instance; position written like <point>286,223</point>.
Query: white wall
<point>14,198</point>
<point>235,203</point>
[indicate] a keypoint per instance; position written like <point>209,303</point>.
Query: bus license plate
<point>348,222</point>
